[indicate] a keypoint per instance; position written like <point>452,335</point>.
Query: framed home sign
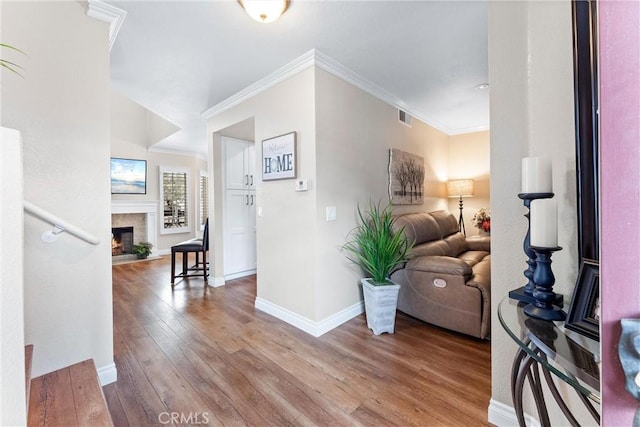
<point>279,157</point>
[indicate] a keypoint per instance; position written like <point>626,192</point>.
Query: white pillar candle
<point>544,223</point>
<point>536,175</point>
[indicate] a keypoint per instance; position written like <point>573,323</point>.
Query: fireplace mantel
<point>150,208</point>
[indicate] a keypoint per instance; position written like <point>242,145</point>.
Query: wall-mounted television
<point>128,176</point>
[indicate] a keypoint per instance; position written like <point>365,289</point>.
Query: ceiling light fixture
<point>482,86</point>
<point>264,10</point>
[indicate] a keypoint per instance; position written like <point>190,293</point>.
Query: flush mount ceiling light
<point>482,86</point>
<point>264,10</point>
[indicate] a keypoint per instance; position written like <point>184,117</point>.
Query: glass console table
<point>546,346</point>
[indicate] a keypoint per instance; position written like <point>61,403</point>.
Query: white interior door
<point>251,165</point>
<point>236,175</point>
<point>251,242</point>
<point>237,232</point>
<point>239,208</point>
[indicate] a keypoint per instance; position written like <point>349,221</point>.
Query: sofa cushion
<point>436,247</point>
<point>473,257</point>
<point>479,243</point>
<point>447,280</point>
<point>457,244</point>
<point>440,264</point>
<point>447,223</point>
<point>418,227</point>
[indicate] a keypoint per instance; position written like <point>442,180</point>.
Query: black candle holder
<point>525,293</point>
<point>544,298</point>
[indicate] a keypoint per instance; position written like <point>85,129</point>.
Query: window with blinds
<point>174,193</point>
<point>204,199</point>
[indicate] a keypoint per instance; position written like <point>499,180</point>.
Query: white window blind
<point>175,200</point>
<point>204,199</point>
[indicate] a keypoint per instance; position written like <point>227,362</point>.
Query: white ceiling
<point>179,58</point>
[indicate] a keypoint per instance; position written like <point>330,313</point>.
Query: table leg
<point>173,268</point>
<point>556,395</point>
<point>525,367</point>
<point>538,395</point>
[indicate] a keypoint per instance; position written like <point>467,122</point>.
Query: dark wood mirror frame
<point>585,68</point>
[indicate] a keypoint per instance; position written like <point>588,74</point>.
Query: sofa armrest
<point>483,283</point>
<point>440,264</point>
<point>479,243</point>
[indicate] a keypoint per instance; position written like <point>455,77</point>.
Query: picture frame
<point>583,315</point>
<point>128,176</point>
<point>406,178</point>
<point>279,157</point>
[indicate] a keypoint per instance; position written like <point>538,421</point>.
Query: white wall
<point>244,130</point>
<point>12,385</point>
<point>354,132</point>
<point>62,109</point>
<point>344,136</point>
<point>531,77</point>
<point>133,129</point>
<point>286,233</point>
<point>469,158</point>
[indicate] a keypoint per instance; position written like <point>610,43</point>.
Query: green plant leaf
<point>11,47</point>
<point>374,246</point>
<point>11,66</point>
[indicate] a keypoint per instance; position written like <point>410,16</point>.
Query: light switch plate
<point>331,213</point>
<point>302,184</point>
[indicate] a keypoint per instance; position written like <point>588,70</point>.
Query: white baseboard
<point>216,282</point>
<point>239,275</point>
<point>309,326</point>
<point>161,252</point>
<point>107,374</point>
<point>503,415</point>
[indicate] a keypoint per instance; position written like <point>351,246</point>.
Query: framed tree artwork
<point>406,178</point>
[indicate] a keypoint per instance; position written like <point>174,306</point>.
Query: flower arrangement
<point>482,220</point>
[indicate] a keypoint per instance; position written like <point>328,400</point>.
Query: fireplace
<point>141,215</point>
<point>121,240</point>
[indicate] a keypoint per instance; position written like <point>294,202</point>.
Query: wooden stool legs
<point>185,266</point>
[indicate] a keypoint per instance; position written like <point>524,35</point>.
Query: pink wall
<point>619,55</point>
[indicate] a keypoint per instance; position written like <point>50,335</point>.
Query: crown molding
<point>335,68</point>
<point>316,58</point>
<point>289,70</point>
<point>468,130</point>
<point>154,149</point>
<point>112,15</point>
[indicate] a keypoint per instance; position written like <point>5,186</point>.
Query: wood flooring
<point>70,396</point>
<point>207,357</point>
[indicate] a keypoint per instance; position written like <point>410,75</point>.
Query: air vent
<point>404,117</point>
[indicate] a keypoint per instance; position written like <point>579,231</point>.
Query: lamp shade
<point>460,188</point>
<point>264,10</point>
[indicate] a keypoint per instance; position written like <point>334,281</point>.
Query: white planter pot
<point>380,304</point>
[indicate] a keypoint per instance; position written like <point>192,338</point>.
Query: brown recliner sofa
<point>447,280</point>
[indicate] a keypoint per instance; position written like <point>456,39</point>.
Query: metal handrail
<point>59,225</point>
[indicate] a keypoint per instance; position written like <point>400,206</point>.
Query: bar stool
<point>200,268</point>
